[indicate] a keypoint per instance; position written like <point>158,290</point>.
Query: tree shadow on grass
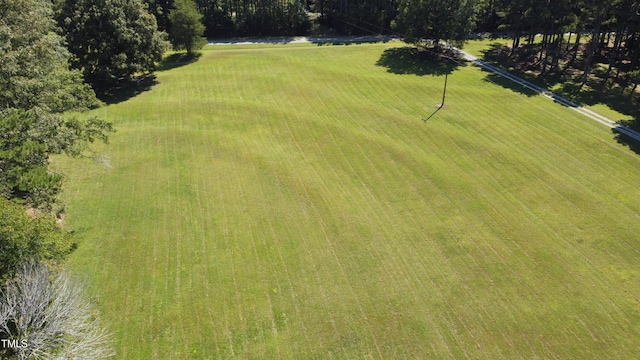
<point>127,91</point>
<point>566,84</point>
<point>508,84</point>
<point>144,83</point>
<point>622,104</point>
<point>177,60</point>
<point>411,60</point>
<point>498,56</point>
<point>626,140</point>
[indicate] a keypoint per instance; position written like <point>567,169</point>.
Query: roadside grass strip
<point>288,202</point>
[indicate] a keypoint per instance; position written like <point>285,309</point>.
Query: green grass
<point>289,202</point>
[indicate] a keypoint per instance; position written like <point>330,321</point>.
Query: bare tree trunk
<point>613,55</point>
<point>516,43</point>
<point>543,45</point>
<point>593,45</point>
<point>636,55</point>
<point>548,37</point>
<point>574,49</point>
<point>558,53</point>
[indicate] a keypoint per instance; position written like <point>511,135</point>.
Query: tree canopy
<point>35,68</point>
<point>26,237</point>
<point>435,20</point>
<point>186,27</point>
<point>112,41</point>
<point>36,87</point>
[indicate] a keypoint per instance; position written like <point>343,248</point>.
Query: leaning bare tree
<point>47,316</point>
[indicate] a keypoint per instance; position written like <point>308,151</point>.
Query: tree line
<point>574,33</point>
<point>226,18</point>
<point>58,58</point>
<point>62,57</point>
<point>37,85</point>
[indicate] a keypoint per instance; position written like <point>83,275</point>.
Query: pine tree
<point>435,20</point>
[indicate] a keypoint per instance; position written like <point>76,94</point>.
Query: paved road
<point>474,60</point>
<point>303,39</point>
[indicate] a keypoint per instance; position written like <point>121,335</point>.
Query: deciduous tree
<point>24,237</point>
<point>112,41</point>
<point>36,86</point>
<point>186,27</point>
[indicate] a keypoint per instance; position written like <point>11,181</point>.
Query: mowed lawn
<point>289,202</point>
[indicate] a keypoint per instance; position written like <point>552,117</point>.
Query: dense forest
<point>573,34</point>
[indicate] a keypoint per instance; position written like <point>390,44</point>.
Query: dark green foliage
<point>217,22</point>
<point>34,67</point>
<point>358,17</point>
<point>112,41</point>
<point>160,9</point>
<point>283,19</point>
<point>24,160</point>
<point>253,17</point>
<point>24,237</point>
<point>36,85</point>
<point>27,138</point>
<point>435,20</point>
<point>186,27</point>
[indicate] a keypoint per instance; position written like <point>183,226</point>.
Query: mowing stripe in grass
<point>288,202</point>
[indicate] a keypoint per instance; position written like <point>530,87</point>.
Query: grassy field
<point>289,202</point>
